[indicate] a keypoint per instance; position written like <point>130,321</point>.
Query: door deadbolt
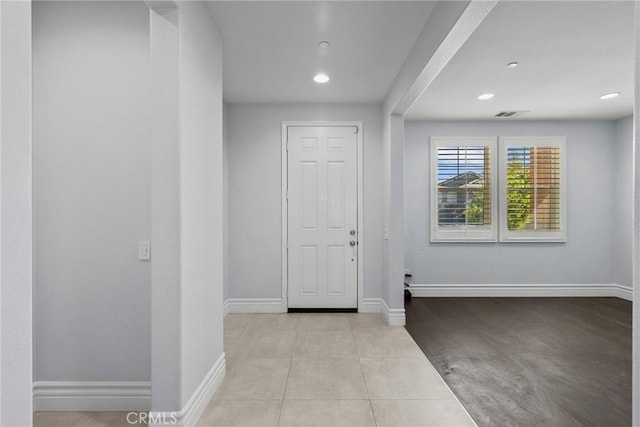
<point>352,232</point>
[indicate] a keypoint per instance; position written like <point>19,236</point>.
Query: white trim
<point>371,305</point>
<point>284,164</point>
<point>91,396</point>
<point>528,290</point>
<point>623,292</point>
<point>254,305</point>
<point>285,220</point>
<point>192,411</point>
<point>361,232</point>
<point>635,230</point>
<point>226,308</point>
<point>393,316</point>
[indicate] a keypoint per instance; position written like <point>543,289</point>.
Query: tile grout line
<point>286,383</point>
<point>373,414</point>
<point>242,332</point>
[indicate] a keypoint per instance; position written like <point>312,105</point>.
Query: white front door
<point>322,213</point>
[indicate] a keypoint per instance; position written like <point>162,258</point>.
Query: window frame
<point>510,236</point>
<point>463,233</point>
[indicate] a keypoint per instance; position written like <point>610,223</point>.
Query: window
<point>532,182</point>
<point>532,189</point>
<point>463,203</point>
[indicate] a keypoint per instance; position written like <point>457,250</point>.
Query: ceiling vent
<point>509,114</point>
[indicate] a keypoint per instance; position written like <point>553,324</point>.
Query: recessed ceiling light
<point>486,96</point>
<point>324,44</point>
<point>512,65</point>
<point>610,95</point>
<point>321,78</point>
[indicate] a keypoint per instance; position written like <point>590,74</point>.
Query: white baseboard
<point>393,316</point>
<point>623,292</point>
<point>371,305</point>
<point>457,290</point>
<point>91,396</point>
<point>254,305</point>
<point>226,308</point>
<point>192,411</point>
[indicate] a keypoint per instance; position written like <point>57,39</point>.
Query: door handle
<point>352,243</point>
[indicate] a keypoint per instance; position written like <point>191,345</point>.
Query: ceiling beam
<point>432,52</point>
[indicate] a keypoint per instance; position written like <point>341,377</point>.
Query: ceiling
<point>271,50</point>
<point>569,53</point>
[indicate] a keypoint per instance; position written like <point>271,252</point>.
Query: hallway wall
<point>201,199</point>
<point>255,193</point>
<point>16,209</point>
<point>225,189</point>
<point>91,150</point>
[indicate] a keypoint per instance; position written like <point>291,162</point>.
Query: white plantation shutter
<point>532,189</point>
<point>463,195</point>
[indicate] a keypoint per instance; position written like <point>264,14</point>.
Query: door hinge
<point>286,194</point>
<point>357,130</point>
<point>287,244</point>
<point>286,146</point>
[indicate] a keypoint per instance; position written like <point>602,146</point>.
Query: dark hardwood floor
<point>531,361</point>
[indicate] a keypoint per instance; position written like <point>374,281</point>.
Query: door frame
<point>285,215</point>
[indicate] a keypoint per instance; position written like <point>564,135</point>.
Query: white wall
<point>393,218</point>
<point>187,216</point>
<point>15,215</point>
<point>91,190</point>
<point>225,171</point>
<point>255,193</point>
<point>586,257</point>
<point>201,167</point>
<point>165,212</point>
<point>623,202</point>
<point>96,91</point>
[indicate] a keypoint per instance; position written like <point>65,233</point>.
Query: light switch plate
<point>144,249</point>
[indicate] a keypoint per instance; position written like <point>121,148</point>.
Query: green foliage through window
<point>475,210</point>
<point>518,195</point>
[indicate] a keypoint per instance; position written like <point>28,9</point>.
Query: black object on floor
<point>531,361</point>
<point>407,292</point>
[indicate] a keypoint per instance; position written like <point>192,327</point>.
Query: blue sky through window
<point>458,160</point>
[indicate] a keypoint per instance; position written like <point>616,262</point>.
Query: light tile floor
<point>314,370</point>
<point>327,370</point>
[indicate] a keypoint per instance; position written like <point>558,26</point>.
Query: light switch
<point>144,249</point>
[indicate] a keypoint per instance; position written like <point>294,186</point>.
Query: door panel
<point>309,195</point>
<point>309,270</point>
<point>322,212</point>
<point>336,258</point>
<point>335,196</point>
